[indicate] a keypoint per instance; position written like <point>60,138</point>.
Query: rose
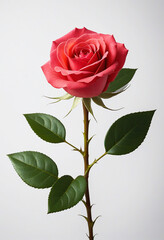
<point>84,62</point>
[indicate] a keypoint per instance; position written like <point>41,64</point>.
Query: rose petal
<point>84,62</point>
<point>94,41</point>
<point>74,33</point>
<point>93,67</point>
<point>102,46</point>
<point>93,47</point>
<point>76,63</point>
<point>93,59</point>
<point>120,59</point>
<point>73,75</point>
<point>121,54</point>
<point>106,72</point>
<point>80,46</point>
<point>111,47</point>
<point>93,89</point>
<point>66,72</point>
<point>71,44</point>
<point>101,66</point>
<point>84,38</point>
<point>99,43</point>
<point>54,61</point>
<point>53,77</point>
<point>61,55</point>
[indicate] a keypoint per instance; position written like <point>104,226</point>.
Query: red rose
<point>84,62</point>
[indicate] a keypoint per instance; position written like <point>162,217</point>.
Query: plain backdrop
<point>128,191</point>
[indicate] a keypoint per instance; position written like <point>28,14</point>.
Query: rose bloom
<point>84,62</point>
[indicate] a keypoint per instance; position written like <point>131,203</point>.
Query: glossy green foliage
<point>127,133</point>
<point>122,79</point>
<point>46,127</point>
<point>66,193</point>
<point>35,168</point>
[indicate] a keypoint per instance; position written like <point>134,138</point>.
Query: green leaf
<point>46,127</point>
<point>66,193</point>
<point>35,168</point>
<point>127,133</point>
<point>122,79</point>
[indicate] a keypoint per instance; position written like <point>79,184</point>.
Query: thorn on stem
<point>87,236</point>
<point>96,219</point>
<point>95,235</point>
<point>84,217</point>
<point>93,205</point>
<point>84,202</point>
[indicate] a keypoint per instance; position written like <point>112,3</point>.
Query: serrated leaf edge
<point>9,155</point>
<point>107,151</point>
<point>134,69</point>
<point>63,139</point>
<point>64,193</point>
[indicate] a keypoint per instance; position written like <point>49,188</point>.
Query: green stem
<point>75,148</point>
<point>86,165</point>
<point>94,162</point>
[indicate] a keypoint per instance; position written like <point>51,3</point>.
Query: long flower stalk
<point>86,165</point>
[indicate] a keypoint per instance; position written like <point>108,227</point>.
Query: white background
<point>128,191</point>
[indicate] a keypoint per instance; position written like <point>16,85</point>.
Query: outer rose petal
<point>121,54</point>
<point>73,75</point>
<point>61,55</point>
<point>54,61</point>
<point>75,33</point>
<point>53,77</point>
<point>111,47</point>
<point>87,90</point>
<point>120,59</point>
<point>106,72</point>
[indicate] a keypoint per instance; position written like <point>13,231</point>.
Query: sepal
<point>99,102</point>
<point>76,101</point>
<point>66,96</point>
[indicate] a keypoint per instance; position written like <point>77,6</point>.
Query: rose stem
<point>86,164</point>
